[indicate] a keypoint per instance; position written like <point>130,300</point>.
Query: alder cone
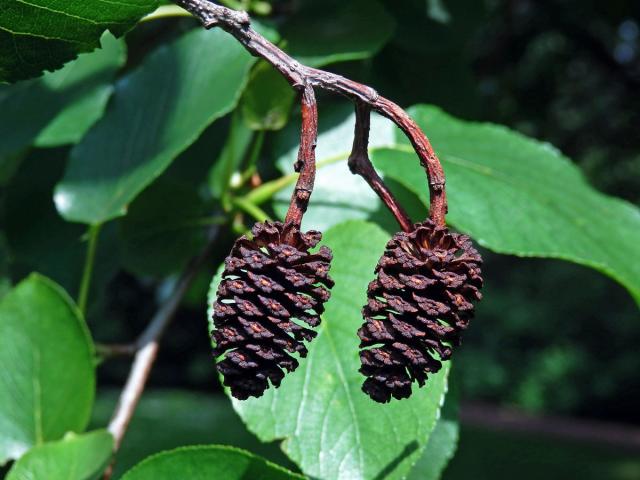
<point>418,305</point>
<point>271,295</point>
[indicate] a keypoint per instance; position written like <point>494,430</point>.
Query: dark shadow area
<point>409,449</point>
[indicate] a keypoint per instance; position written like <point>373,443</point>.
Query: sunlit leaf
<point>44,34</point>
<point>207,463</point>
<point>519,196</point>
<point>59,107</point>
<point>47,376</point>
<point>156,112</point>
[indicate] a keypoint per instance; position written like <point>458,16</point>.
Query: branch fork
<point>366,99</point>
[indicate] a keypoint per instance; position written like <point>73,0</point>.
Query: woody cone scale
<point>271,296</point>
<point>418,305</point>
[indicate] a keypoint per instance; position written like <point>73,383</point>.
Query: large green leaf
<point>41,35</point>
<point>47,376</point>
<point>76,457</point>
<point>207,463</point>
<point>61,106</point>
<point>331,429</point>
<point>519,196</point>
<point>329,32</point>
<point>90,95</point>
<point>156,112</point>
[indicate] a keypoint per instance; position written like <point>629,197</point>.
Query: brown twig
<point>360,164</point>
<point>306,163</point>
<point>146,349</point>
<point>301,77</point>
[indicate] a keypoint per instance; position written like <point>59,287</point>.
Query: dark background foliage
<point>549,338</point>
<point>566,72</point>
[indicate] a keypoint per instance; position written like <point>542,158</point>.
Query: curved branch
<point>360,164</point>
<point>300,77</point>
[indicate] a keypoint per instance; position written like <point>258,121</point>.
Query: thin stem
<point>306,163</point>
<point>85,282</point>
<point>251,208</point>
<point>254,153</point>
<point>301,76</point>
<point>146,347</point>
<point>267,190</point>
<point>360,164</point>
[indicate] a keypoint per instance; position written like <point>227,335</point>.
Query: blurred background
<point>548,373</point>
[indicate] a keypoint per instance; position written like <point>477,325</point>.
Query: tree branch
<point>360,164</point>
<point>146,347</point>
<point>300,77</point>
<point>306,163</point>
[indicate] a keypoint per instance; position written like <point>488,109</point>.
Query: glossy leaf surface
<point>156,112</point>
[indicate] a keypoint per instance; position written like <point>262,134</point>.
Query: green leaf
<point>519,196</point>
<point>345,31</point>
<point>59,107</point>
<point>331,429</point>
<point>158,240</point>
<point>442,444</point>
<point>47,376</point>
<point>90,95</point>
<point>267,101</point>
<point>206,463</point>
<point>44,34</point>
<point>76,457</point>
<point>167,419</point>
<point>156,112</point>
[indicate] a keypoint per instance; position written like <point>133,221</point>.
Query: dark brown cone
<point>418,305</point>
<point>272,290</point>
